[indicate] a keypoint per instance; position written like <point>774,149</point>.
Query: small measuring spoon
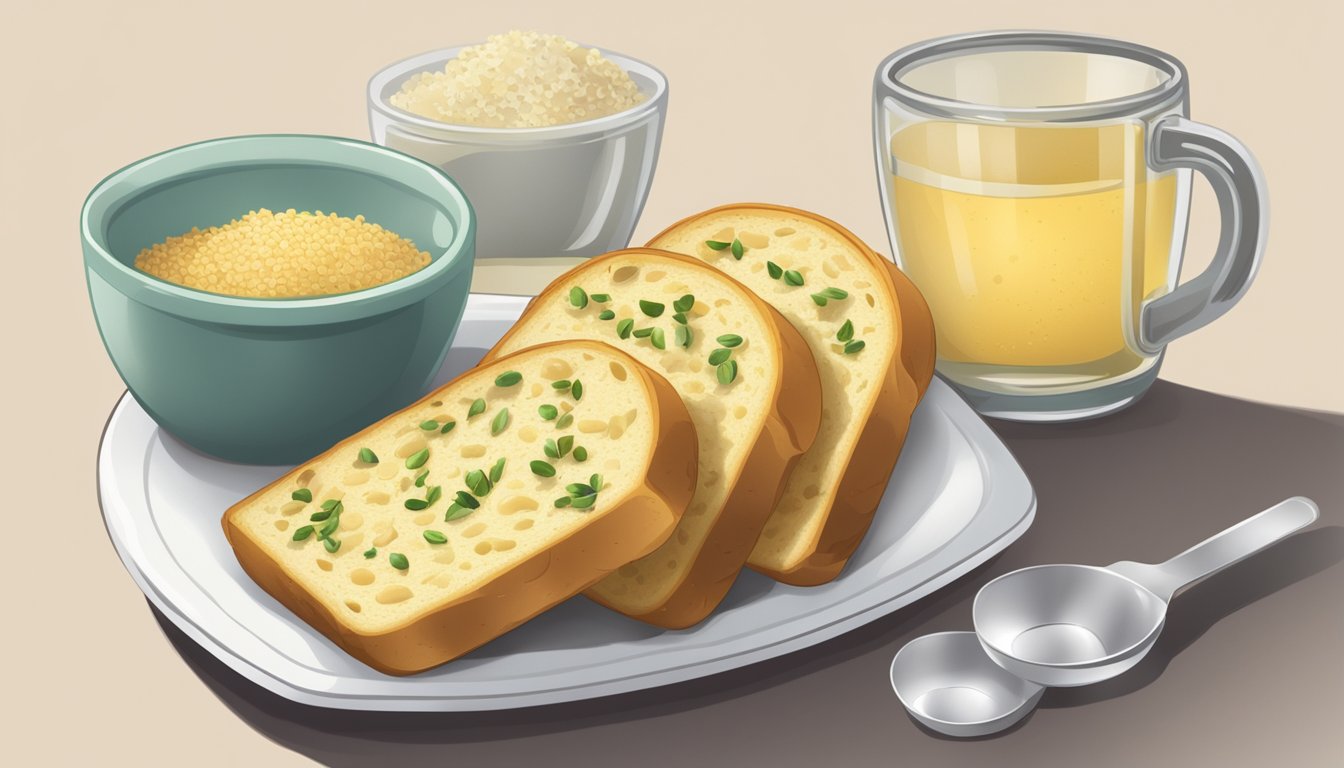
<point>1069,625</point>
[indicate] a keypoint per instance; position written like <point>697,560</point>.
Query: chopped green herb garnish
<point>497,471</point>
<point>367,456</point>
<point>854,347</point>
<point>417,460</point>
<point>624,327</point>
<point>580,489</point>
<point>548,412</point>
<point>583,502</point>
<point>551,449</point>
<point>562,502</point>
<point>447,427</point>
<point>828,294</point>
<point>564,421</point>
<point>606,314</point>
<point>601,298</point>
<point>508,379</point>
<point>846,332</point>
<point>680,317</point>
<point>477,408</point>
<point>435,491</point>
<point>302,533</point>
<point>563,445</point>
<point>738,250</point>
<point>596,482</point>
<point>578,297</point>
<point>720,356</point>
<point>774,269</point>
<point>456,512</point>
<point>730,340</point>
<point>434,537</point>
<point>793,277</point>
<point>370,553</point>
<point>716,245</point>
<point>683,336</point>
<point>332,545</point>
<point>319,517</point>
<point>651,308</point>
<point>420,478</point>
<point>464,499</point>
<point>429,425</point>
<point>580,453</point>
<point>684,304</point>
<point>577,390</point>
<point>398,561</point>
<point>303,494</point>
<point>561,385</point>
<point>500,422</point>
<point>478,482</point>
<point>415,505</point>
<point>330,505</point>
<point>542,468</point>
<point>643,333</point>
<point>329,527</point>
<point>658,338</point>
<point>727,372</point>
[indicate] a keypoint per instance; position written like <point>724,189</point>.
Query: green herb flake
<point>551,449</point>
<point>583,502</point>
<point>854,347</point>
<point>624,327</point>
<point>398,561</point>
<point>435,492</point>
<point>658,338</point>
<point>319,517</point>
<point>500,422</point>
<point>434,537</point>
<point>651,308</point>
<point>415,505</point>
<point>497,471</point>
<point>643,333</point>
<point>478,482</point>
<point>684,304</point>
<point>417,460</point>
<point>793,277</point>
<point>420,478</point>
<point>683,336</point>
<point>456,512</point>
<point>560,385</point>
<point>303,494</point>
<point>846,331</point>
<point>332,545</point>
<point>580,489</point>
<point>601,298</point>
<point>596,482</point>
<point>562,502</point>
<point>564,421</point>
<point>542,468</point>
<point>774,269</point>
<point>508,379</point>
<point>370,553</point>
<point>730,340</point>
<point>577,390</point>
<point>464,499</point>
<point>329,527</point>
<point>720,356</point>
<point>606,314</point>
<point>302,533</point>
<point>447,427</point>
<point>580,454</point>
<point>738,250</point>
<point>429,425</point>
<point>477,408</point>
<point>578,297</point>
<point>564,445</point>
<point>330,505</point>
<point>716,245</point>
<point>367,456</point>
<point>680,317</point>
<point>837,294</point>
<point>727,372</point>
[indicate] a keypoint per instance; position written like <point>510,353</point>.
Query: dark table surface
<point>1248,671</point>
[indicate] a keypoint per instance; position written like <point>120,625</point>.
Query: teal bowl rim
<point>125,185</point>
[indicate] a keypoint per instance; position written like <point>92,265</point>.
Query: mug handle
<point>1177,142</point>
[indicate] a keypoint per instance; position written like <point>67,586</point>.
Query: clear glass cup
<point>1036,188</point>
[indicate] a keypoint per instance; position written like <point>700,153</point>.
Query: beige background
<point>764,106</point>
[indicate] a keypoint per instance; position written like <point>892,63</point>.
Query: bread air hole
<point>523,525</point>
<point>555,368</point>
<point>377,497</point>
<point>515,504</point>
<point>352,605</point>
<point>282,525</point>
<point>625,274</point>
<point>654,276</point>
<point>394,594</point>
<point>475,529</point>
<point>385,538</point>
<point>483,547</point>
<point>784,231</point>
<point>324,564</point>
<point>473,451</point>
<point>618,371</point>
<point>411,445</point>
<point>362,577</point>
<point>291,507</point>
<point>425,518</point>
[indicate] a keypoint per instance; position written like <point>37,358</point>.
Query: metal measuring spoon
<point>1066,625</point>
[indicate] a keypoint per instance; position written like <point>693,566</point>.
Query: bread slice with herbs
<point>749,383</point>
<point>871,335</point>
<point>490,500</point>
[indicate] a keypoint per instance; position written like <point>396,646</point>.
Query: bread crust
<point>886,424</point>
<point>635,526</point>
<point>790,426</point>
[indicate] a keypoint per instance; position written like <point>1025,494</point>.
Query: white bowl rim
<point>597,126</point>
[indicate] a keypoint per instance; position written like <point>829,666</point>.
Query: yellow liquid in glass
<point>1033,246</point>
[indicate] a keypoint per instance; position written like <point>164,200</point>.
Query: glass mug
<point>1036,188</point>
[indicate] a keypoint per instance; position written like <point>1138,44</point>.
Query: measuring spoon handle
<point>1221,550</point>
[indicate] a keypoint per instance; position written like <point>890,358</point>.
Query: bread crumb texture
<point>284,255</point>
<point>521,80</point>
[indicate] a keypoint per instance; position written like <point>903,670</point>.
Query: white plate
<point>957,498</point>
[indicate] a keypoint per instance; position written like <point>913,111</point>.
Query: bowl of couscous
<point>554,142</point>
<point>264,296</point>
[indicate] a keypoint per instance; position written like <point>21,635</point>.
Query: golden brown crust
<point>789,429</point>
<point>879,444</point>
<point>634,527</point>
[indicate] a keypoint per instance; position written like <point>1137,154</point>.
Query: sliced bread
<point>749,383</point>
<point>485,503</point>
<point>871,335</point>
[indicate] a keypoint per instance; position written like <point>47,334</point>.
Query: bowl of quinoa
<point>556,144</point>
<point>265,296</point>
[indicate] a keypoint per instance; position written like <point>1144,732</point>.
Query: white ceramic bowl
<point>542,196</point>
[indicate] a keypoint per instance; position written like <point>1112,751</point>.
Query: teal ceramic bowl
<point>275,381</point>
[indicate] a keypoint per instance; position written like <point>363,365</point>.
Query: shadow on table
<point>1214,458</point>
